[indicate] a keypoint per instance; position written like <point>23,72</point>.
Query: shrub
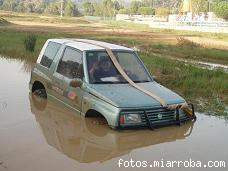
<point>199,6</point>
<point>70,9</point>
<point>53,8</point>
<point>124,11</point>
<point>162,11</point>
<point>88,8</point>
<point>3,21</point>
<point>30,42</point>
<point>221,9</point>
<point>135,5</point>
<point>146,11</point>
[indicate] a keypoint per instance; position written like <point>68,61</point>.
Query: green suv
<point>81,74</point>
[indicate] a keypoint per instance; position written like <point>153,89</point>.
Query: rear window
<point>49,54</point>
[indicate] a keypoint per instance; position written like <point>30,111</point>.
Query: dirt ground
<point>101,28</point>
<point>206,42</point>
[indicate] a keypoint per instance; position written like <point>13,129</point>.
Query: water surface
<point>48,136</point>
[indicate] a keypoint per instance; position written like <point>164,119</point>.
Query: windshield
<point>101,69</point>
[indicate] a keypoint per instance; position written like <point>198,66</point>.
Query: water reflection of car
<point>88,139</point>
<point>81,75</point>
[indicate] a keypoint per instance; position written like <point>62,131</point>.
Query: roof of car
<point>85,44</point>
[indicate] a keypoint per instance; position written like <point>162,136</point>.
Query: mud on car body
<point>80,74</point>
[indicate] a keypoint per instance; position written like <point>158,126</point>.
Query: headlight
<point>130,118</point>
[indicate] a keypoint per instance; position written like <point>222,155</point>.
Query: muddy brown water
<point>37,135</point>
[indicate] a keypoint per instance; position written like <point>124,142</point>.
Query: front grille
<point>161,116</point>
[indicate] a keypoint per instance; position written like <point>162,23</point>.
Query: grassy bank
<point>192,52</point>
<point>12,45</point>
<point>160,41</point>
<point>207,89</point>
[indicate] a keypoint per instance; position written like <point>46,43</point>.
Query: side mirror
<point>76,83</point>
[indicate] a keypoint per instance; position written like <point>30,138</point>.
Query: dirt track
<point>100,28</point>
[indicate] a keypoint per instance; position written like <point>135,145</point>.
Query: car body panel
<point>110,112</point>
<point>126,96</point>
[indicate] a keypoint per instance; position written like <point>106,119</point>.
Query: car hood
<point>126,96</point>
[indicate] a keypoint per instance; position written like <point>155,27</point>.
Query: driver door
<point>70,68</point>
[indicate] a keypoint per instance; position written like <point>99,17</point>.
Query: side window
<point>71,64</point>
<point>49,54</point>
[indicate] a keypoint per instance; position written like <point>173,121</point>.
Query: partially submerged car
<point>87,140</point>
<point>102,79</point>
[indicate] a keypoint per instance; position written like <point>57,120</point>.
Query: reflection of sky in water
<point>13,90</point>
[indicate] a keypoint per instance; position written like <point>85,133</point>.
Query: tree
<point>1,2</point>
<point>117,5</point>
<point>24,5</point>
<point>148,3</point>
<point>10,5</point>
<point>53,8</point>
<point>108,8</point>
<point>98,9</point>
<point>162,11</point>
<point>70,9</point>
<point>30,6</point>
<point>88,8</point>
<point>39,6</point>
<point>146,11</point>
<point>221,9</point>
<point>21,7</point>
<point>199,6</point>
<point>135,5</point>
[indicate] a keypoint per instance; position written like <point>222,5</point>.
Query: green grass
<point>125,25</point>
<point>217,36</point>
<point>12,45</point>
<point>14,16</point>
<point>191,82</point>
<point>191,53</point>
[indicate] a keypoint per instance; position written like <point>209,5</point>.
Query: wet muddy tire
<point>40,93</point>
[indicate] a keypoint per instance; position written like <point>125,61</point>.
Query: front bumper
<point>158,117</point>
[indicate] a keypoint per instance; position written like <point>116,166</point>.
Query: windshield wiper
<point>101,82</point>
<point>143,81</point>
<point>109,82</point>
